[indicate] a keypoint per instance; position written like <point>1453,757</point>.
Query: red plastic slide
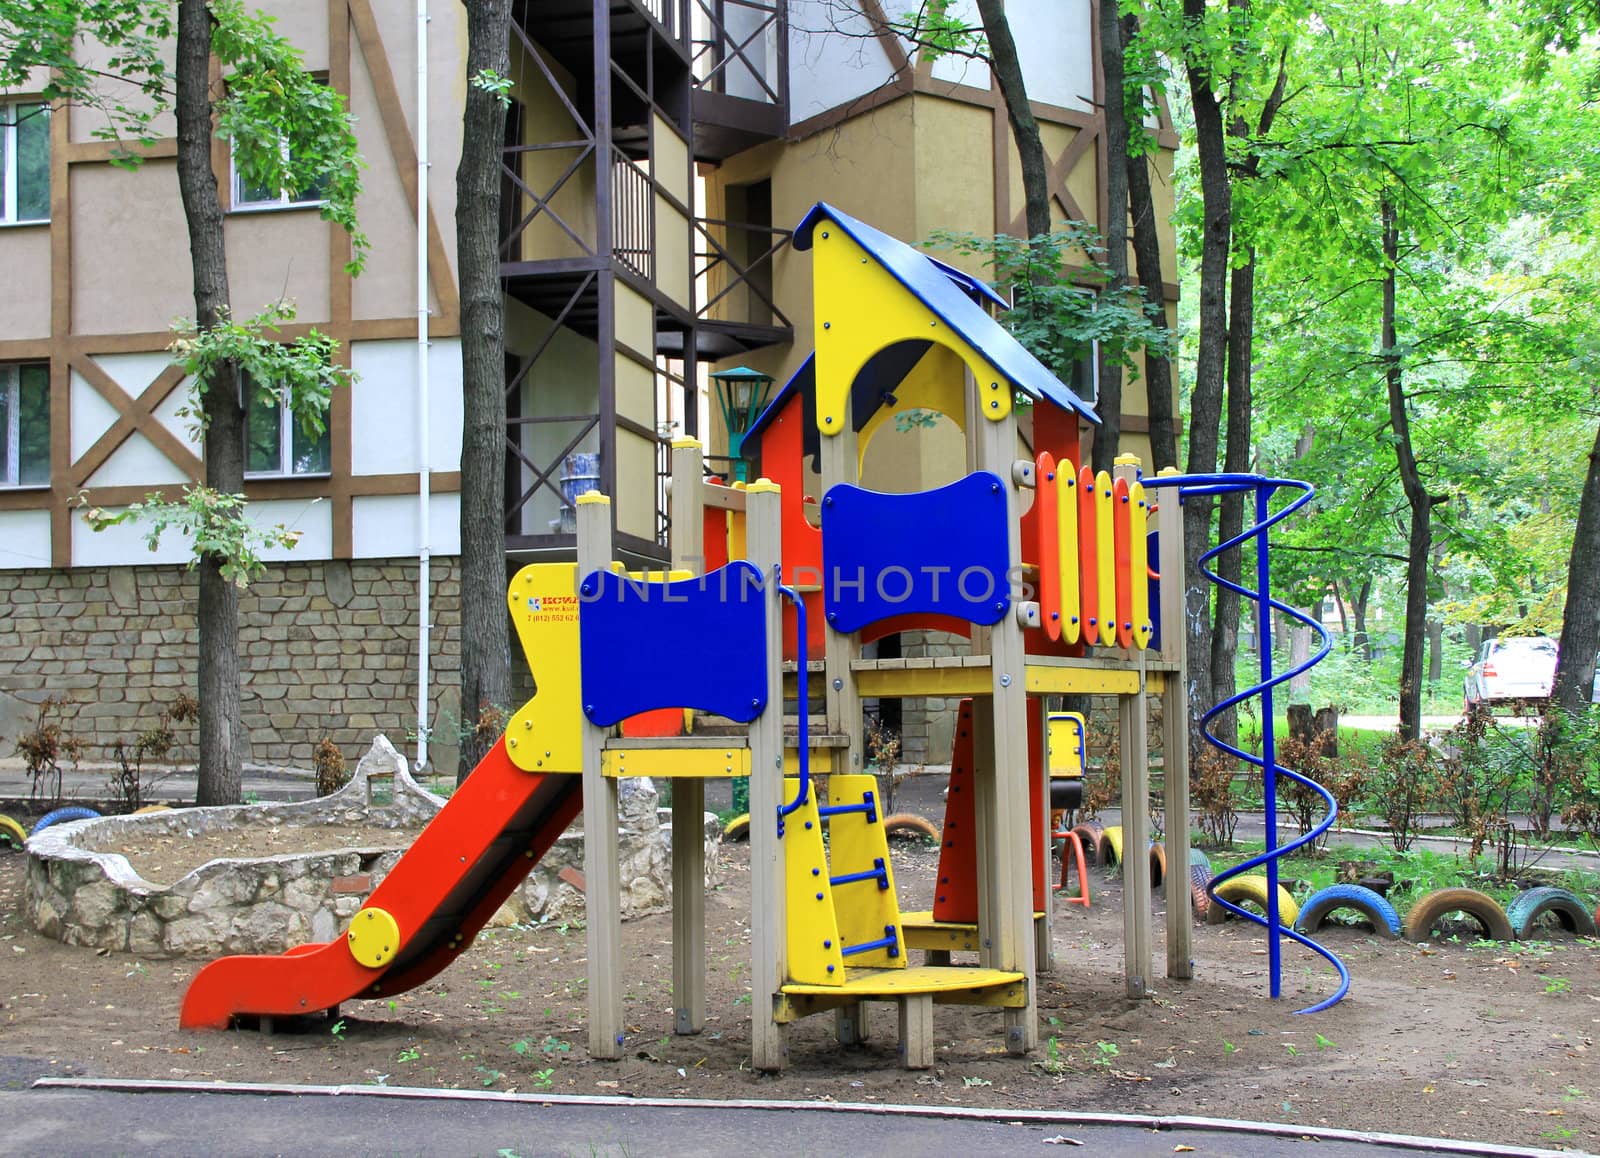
<point>443,890</point>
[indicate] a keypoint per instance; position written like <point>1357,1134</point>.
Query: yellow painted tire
<point>738,828</point>
<point>12,831</point>
<point>1252,888</point>
<point>1110,850</point>
<point>149,808</point>
<point>910,824</point>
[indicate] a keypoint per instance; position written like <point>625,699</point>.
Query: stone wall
<point>328,649</point>
<point>82,892</point>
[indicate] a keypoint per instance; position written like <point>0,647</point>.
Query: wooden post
<point>769,1040</point>
<point>688,792</point>
<point>916,1031</point>
<point>602,884</point>
<point>1004,816</point>
<point>1175,737</point>
<point>1138,915</point>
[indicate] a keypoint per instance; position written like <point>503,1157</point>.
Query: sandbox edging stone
<point>81,895</point>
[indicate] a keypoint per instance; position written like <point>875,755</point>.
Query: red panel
<point>1047,534</point>
<point>1088,556</point>
<point>661,722</point>
<point>1122,528</point>
<point>715,538</point>
<point>955,894</point>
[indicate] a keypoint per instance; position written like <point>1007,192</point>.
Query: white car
<point>1516,672</point>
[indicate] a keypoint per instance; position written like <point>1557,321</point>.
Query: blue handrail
<point>1263,488</point>
<point>802,678</point>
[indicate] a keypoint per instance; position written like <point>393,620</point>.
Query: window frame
<point>286,434</point>
<point>8,161</point>
<point>11,385</point>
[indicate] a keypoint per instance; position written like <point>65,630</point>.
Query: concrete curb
<point>977,1114</point>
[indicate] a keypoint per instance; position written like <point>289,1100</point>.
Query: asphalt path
<point>344,1121</point>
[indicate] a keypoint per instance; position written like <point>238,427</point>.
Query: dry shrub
<point>1211,795</point>
<point>332,772</point>
<point>43,749</point>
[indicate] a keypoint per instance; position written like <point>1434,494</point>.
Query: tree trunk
<point>1580,622</point>
<point>1361,640</point>
<point>1008,72</point>
<point>1299,652</point>
<point>1147,263</point>
<point>1417,496</point>
<point>221,731</point>
<point>1108,394</point>
<point>1205,400</point>
<point>1231,513</point>
<point>485,627</point>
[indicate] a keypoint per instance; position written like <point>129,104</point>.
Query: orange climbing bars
<point>1090,537</point>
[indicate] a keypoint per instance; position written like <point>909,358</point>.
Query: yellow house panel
<point>944,130</point>
<point>636,319</point>
<point>672,160</point>
<point>636,485</point>
<point>636,391</point>
<point>672,252</point>
<point>546,119</point>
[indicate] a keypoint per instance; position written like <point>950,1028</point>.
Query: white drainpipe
<point>424,527</point>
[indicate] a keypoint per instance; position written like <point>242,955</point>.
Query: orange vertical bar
<point>1122,529</point>
<point>1048,553</point>
<point>1088,555</point>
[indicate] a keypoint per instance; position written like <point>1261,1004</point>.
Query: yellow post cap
<point>1129,459</point>
<point>685,443</point>
<point>594,497</point>
<point>763,486</point>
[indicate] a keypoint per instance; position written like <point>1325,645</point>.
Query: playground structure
<point>761,607</point>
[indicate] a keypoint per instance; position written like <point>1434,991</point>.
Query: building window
<point>247,196</point>
<point>25,425</point>
<point>276,446</point>
<point>24,162</point>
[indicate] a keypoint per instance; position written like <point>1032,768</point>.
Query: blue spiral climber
<point>1263,488</point>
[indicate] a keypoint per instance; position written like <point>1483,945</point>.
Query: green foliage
<point>489,81</point>
<point>937,32</point>
<point>40,36</point>
<point>214,522</point>
<point>1061,311</point>
<point>289,130</point>
<point>301,371</point>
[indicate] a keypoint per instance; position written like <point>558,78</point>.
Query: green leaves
<point>289,130</point>
<point>1060,308</point>
<point>214,522</point>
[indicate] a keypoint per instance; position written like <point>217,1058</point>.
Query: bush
<point>332,772</point>
<point>1211,792</point>
<point>1401,787</point>
<point>127,780</point>
<point>43,749</point>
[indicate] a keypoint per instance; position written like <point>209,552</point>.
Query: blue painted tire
<point>61,814</point>
<point>1325,902</point>
<point>1527,907</point>
<point>1196,857</point>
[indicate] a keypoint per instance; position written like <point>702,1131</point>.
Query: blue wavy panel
<point>943,552</point>
<point>693,643</point>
